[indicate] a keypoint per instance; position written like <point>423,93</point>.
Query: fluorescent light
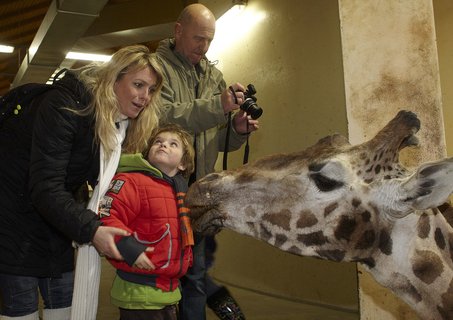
<point>87,56</point>
<point>6,49</point>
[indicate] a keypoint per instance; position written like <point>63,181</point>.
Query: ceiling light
<point>88,56</point>
<point>6,49</point>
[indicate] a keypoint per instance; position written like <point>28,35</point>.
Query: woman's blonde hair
<point>100,79</point>
<point>188,157</point>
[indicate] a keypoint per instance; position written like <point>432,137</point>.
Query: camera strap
<point>227,141</point>
<point>227,138</point>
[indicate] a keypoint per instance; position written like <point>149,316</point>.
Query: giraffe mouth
<point>215,226</point>
<point>208,223</point>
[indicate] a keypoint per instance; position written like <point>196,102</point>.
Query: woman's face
<point>134,91</point>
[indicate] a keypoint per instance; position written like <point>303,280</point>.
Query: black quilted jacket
<point>46,154</point>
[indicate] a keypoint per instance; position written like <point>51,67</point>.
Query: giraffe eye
<point>325,184</point>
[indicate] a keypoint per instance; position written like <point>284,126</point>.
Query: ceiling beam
<point>65,22</point>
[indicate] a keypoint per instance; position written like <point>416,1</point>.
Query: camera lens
<point>252,109</point>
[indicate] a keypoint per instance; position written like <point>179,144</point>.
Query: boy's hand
<point>143,261</point>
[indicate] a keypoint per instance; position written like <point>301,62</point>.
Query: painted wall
<point>293,57</point>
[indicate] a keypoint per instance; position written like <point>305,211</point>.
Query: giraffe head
<point>333,200</point>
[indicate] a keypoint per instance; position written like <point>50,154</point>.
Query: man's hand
<point>104,241</point>
<point>228,100</point>
<point>243,123</point>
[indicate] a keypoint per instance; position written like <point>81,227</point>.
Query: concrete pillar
<point>390,63</point>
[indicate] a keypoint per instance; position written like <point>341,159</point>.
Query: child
<point>145,198</point>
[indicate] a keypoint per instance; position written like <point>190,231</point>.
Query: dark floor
<point>256,306</point>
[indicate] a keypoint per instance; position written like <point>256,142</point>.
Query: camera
<point>249,106</point>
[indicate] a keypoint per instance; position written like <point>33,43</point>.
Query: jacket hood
<point>136,162</point>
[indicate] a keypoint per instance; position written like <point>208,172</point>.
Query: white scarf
<point>88,265</point>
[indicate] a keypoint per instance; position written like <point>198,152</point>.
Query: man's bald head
<point>196,12</point>
<point>194,31</point>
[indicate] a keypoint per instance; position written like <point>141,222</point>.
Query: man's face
<point>194,38</point>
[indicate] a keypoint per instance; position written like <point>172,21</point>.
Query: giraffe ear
<point>431,185</point>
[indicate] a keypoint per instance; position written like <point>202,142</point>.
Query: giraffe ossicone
<point>341,202</point>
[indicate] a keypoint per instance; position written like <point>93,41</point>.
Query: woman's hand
<point>104,241</point>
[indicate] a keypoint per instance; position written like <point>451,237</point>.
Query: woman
<point>69,136</point>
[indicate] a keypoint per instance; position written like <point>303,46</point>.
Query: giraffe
<point>340,202</point>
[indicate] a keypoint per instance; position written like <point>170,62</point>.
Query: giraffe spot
<point>366,240</point>
<point>427,266</point>
<point>366,216</point>
<point>439,237</point>
<point>377,169</point>
<point>423,226</point>
<point>385,242</point>
<point>249,211</point>
<point>306,220</point>
<point>450,245</point>
<point>281,219</point>
<point>368,181</point>
<point>295,250</point>
<point>444,313</point>
<point>356,202</point>
<point>332,255</point>
<point>311,239</point>
<point>403,283</point>
<point>331,207</point>
<point>252,227</point>
<point>447,211</point>
<point>381,154</point>
<point>369,262</point>
<point>264,233</point>
<point>280,239</point>
<point>345,228</point>
<point>446,308</point>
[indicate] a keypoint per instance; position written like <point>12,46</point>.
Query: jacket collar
<point>136,162</point>
<point>166,49</point>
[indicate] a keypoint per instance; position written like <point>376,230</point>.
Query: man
<point>196,97</point>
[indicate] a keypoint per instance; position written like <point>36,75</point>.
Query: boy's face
<point>166,153</point>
